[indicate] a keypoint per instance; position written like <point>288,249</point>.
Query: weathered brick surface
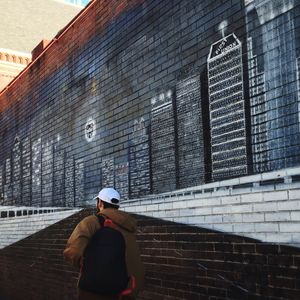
<point>182,262</point>
<point>116,101</point>
<point>142,94</point>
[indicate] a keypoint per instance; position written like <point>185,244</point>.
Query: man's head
<point>108,198</point>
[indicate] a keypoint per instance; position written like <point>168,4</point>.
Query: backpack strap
<point>106,222</point>
<point>101,220</point>
<point>129,290</point>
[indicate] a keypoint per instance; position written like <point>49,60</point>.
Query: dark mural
<point>171,95</point>
<point>273,58</point>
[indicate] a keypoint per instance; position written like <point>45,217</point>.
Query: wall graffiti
<point>41,175</point>
<point>16,172</point>
<point>108,171</point>
<point>273,52</point>
<point>220,101</point>
<point>47,175</point>
<point>78,180</point>
<point>26,171</point>
<point>227,108</point>
<point>90,129</point>
<point>36,172</point>
<point>163,163</point>
<point>191,163</point>
<point>122,179</point>
<point>1,186</point>
<point>7,180</point>
<point>139,160</point>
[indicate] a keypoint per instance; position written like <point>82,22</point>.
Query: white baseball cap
<point>109,195</point>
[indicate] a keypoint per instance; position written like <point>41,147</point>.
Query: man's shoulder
<point>91,219</point>
<point>121,218</point>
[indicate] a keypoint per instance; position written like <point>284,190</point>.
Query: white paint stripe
<point>15,229</point>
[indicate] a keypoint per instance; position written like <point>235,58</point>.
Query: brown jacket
<point>82,234</point>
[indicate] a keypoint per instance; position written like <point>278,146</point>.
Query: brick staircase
<point>182,262</point>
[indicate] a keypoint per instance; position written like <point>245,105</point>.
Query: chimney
<point>39,49</point>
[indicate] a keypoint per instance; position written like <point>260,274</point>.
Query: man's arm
<point>79,239</point>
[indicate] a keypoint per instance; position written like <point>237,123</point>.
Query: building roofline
<point>53,41</point>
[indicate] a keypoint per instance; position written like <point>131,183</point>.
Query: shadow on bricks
<point>182,262</point>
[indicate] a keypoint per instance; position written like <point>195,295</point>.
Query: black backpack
<point>104,270</point>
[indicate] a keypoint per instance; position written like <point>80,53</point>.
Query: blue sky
<point>84,2</point>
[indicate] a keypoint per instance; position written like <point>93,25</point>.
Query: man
<point>81,240</point>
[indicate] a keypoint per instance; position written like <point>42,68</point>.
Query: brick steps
<point>182,262</point>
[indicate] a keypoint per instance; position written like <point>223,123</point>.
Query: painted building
<point>227,109</point>
<point>273,50</point>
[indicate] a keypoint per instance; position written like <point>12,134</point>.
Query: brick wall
<point>182,262</point>
<point>268,212</point>
<point>151,96</point>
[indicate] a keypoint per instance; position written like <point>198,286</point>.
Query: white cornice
<point>18,53</point>
<point>12,65</point>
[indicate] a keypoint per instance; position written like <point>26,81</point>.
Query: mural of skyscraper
<point>139,164</point>
<point>298,84</point>
<point>153,109</point>
<point>191,167</point>
<point>257,102</point>
<point>1,185</point>
<point>16,171</point>
<point>163,157</point>
<point>108,171</point>
<point>227,108</point>
<point>274,88</point>
<point>36,165</point>
<point>26,172</point>
<point>122,179</point>
<point>47,174</point>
